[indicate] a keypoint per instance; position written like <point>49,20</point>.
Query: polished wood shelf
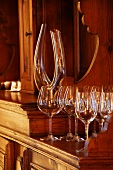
<point>17,116</point>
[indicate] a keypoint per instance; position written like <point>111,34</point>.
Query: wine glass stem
<point>50,125</point>
<point>76,125</point>
<point>69,120</point>
<point>94,126</point>
<point>86,130</point>
<point>101,125</point>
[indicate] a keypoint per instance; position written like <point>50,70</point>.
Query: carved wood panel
<point>97,16</point>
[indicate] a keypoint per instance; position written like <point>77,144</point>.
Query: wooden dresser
<point>21,123</point>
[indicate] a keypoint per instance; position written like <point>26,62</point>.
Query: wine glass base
<point>68,137</point>
<point>82,151</point>
<point>76,138</point>
<point>94,135</point>
<point>50,137</point>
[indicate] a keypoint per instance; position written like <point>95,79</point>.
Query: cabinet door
<point>26,44</point>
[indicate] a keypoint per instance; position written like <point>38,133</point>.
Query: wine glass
<point>103,98</point>
<point>50,103</point>
<point>96,90</point>
<point>86,110</point>
<point>76,137</point>
<point>99,118</point>
<point>69,108</point>
<point>105,105</point>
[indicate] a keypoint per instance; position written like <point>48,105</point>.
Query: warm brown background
<point>9,41</point>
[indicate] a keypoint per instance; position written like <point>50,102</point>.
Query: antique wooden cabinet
<point>89,62</point>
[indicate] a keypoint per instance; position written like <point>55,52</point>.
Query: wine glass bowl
<point>86,115</point>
